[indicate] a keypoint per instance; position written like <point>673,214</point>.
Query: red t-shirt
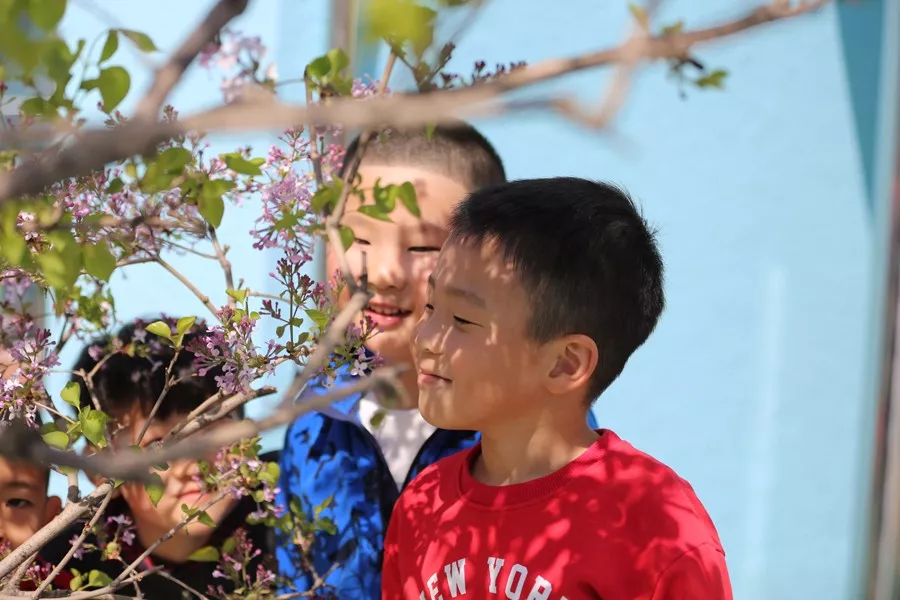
<point>613,524</point>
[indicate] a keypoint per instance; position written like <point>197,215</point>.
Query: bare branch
<point>168,76</point>
<point>221,256</point>
<point>188,284</point>
<point>96,148</point>
<point>75,546</point>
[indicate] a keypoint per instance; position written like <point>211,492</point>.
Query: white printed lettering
<point>456,577</point>
<point>540,590</point>
<point>494,566</point>
<point>432,587</point>
<point>522,573</point>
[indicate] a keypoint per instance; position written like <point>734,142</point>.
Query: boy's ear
<point>52,508</point>
<point>572,361</point>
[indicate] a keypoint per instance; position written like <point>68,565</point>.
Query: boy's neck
<point>530,448</point>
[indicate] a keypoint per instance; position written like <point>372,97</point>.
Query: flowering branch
<point>96,148</point>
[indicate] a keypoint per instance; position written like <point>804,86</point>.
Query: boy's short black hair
<point>456,150</point>
<point>133,373</point>
<point>583,253</point>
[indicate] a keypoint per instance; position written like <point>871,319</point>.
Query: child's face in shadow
<point>180,488</point>
<point>399,254</point>
<point>24,505</point>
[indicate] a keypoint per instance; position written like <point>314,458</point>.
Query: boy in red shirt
<point>542,292</point>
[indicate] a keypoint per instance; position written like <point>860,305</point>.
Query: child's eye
<point>461,321</point>
<point>18,503</point>
<point>361,242</point>
<point>425,249</point>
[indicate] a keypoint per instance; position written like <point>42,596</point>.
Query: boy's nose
<point>427,337</point>
<point>387,270</point>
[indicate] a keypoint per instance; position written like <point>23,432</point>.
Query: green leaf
<point>271,474</point>
<point>375,212</point>
<point>318,317</point>
<point>76,582</point>
<point>155,488</point>
<point>36,106</point>
<point>319,68</point>
<point>161,329</point>
<point>98,579</point>
<point>141,40</point>
<point>115,186</point>
<point>57,439</point>
<point>93,425</point>
<point>239,164</point>
<point>401,22</point>
<point>46,14</point>
<point>238,295</point>
<point>113,83</point>
<point>212,209</point>
<point>111,45</point>
<point>715,79</point>
<point>429,131</point>
<point>347,236</point>
<point>99,261</point>
<point>327,525</point>
<point>229,545</point>
<point>338,60</point>
<point>407,194</point>
<point>184,324</point>
<point>205,554</point>
<point>173,160</point>
<point>325,196</point>
<point>71,394</point>
<point>207,520</point>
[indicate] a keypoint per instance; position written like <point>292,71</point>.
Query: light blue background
<point>758,386</point>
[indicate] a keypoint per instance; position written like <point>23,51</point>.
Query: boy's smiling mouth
<point>386,316</point>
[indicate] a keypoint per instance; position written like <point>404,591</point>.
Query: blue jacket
<point>330,455</point>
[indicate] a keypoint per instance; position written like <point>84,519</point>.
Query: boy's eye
<point>461,321</point>
<point>361,242</point>
<point>425,249</point>
<point>18,503</point>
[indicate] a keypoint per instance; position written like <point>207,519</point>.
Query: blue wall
<point>147,289</point>
<point>756,386</point>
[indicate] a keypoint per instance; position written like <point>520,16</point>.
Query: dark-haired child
<point>542,292</point>
<point>127,384</point>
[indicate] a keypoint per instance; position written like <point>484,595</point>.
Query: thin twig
<point>314,154</point>
<point>208,412</point>
<point>162,395</point>
<point>188,284</point>
<point>168,76</point>
<point>13,583</point>
<point>221,256</point>
<point>75,546</point>
<point>166,537</point>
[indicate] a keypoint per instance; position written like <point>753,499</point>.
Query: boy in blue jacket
<point>355,457</point>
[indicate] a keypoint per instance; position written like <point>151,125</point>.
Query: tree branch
<point>168,76</point>
<point>97,148</point>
